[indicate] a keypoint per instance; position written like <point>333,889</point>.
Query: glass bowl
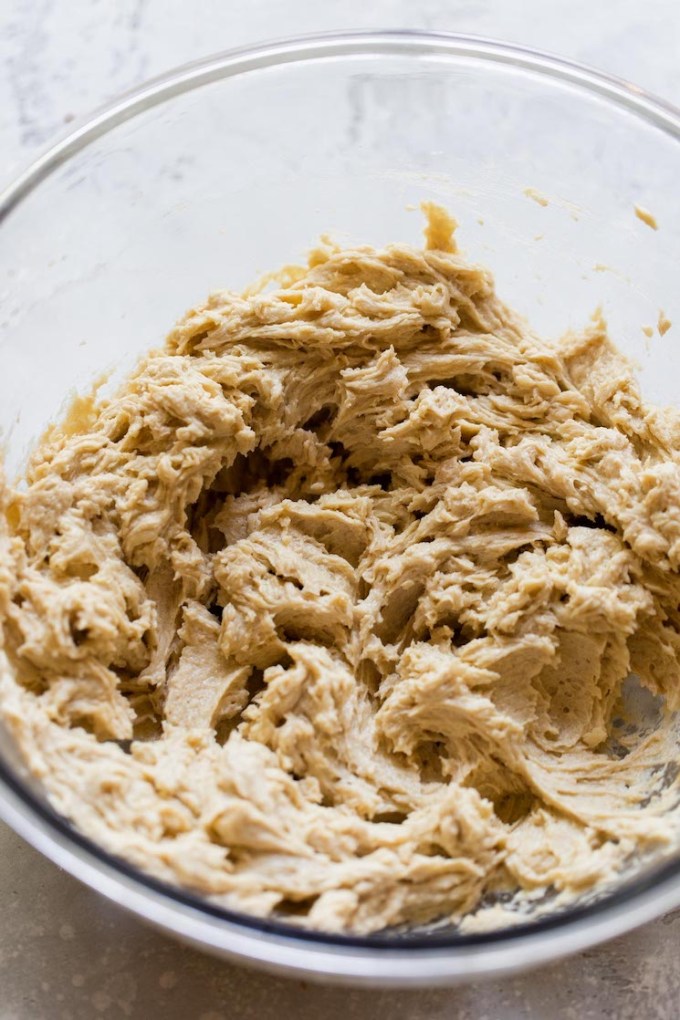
<point>227,168</point>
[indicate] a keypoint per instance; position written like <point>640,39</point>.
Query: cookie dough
<point>328,613</point>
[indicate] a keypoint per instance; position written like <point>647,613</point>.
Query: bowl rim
<point>295,49</point>
<point>277,946</point>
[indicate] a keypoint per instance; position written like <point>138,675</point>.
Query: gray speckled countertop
<point>66,953</point>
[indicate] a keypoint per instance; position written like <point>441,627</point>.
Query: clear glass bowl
<point>233,166</point>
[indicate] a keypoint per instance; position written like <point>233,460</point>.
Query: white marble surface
<point>65,953</point>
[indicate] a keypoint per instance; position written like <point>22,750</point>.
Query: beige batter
<point>327,613</point>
